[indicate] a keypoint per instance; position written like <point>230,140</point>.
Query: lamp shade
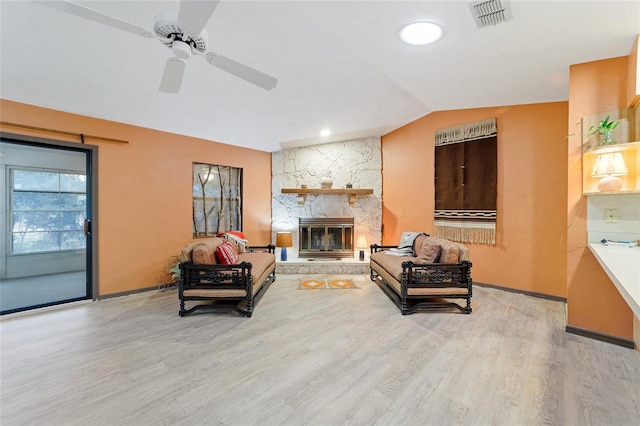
<point>283,239</point>
<point>610,164</point>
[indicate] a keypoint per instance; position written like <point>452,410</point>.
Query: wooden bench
<point>216,286</point>
<point>438,273</point>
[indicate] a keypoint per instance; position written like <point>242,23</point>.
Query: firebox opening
<point>326,237</point>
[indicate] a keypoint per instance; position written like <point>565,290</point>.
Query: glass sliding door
<point>45,258</point>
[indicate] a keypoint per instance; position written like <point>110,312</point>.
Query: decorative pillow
<point>464,253</point>
<point>187,252</point>
<point>204,254</point>
<point>227,254</point>
<point>450,253</point>
<point>429,252</point>
<point>236,238</point>
<point>417,243</point>
<point>237,234</point>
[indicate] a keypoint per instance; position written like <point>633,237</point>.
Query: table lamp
<point>362,244</point>
<point>283,240</point>
<point>609,166</point>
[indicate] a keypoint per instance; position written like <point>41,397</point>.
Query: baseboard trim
<point>607,338</point>
<point>127,293</point>
<point>43,309</point>
<point>525,292</point>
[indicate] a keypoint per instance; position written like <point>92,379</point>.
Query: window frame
<point>231,218</point>
<point>10,210</point>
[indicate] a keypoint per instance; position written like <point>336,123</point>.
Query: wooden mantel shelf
<point>351,192</point>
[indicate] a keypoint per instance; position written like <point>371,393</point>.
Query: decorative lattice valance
<point>466,132</point>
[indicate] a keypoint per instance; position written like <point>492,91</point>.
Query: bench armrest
<point>217,276</point>
<point>267,249</point>
<point>437,274</point>
<point>376,248</point>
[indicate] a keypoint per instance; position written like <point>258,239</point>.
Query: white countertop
<point>622,265</point>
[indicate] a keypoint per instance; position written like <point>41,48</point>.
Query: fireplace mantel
<point>351,192</point>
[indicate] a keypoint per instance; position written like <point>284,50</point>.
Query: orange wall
<point>593,301</point>
<point>144,195</point>
<point>530,253</point>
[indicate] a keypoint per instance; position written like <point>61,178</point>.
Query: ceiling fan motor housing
<point>175,37</point>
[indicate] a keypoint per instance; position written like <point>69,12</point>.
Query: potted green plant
<point>170,274</point>
<point>175,271</point>
<point>605,130</point>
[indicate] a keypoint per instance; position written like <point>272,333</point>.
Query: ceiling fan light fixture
<point>181,49</point>
<point>420,33</point>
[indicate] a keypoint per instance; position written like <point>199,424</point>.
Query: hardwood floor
<point>323,357</point>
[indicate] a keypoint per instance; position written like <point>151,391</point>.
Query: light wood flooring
<point>322,357</point>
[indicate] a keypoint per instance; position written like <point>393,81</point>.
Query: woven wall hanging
<point>466,182</point>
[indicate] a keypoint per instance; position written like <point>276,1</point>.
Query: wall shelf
<point>611,193</point>
<point>628,135</point>
<point>612,148</point>
<point>303,192</point>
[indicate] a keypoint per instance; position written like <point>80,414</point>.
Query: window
<point>217,199</point>
<point>47,211</point>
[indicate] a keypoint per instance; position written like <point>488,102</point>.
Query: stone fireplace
<point>326,238</point>
<point>357,163</point>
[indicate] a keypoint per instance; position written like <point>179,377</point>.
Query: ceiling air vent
<point>491,12</point>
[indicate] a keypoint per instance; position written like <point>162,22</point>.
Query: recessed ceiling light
<point>325,133</point>
<point>421,32</point>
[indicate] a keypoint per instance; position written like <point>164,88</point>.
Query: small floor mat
<point>328,284</point>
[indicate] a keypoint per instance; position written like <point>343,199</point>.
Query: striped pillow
<point>227,254</point>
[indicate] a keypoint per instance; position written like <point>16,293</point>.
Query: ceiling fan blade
<point>172,76</point>
<point>194,15</point>
<point>244,72</point>
<point>95,16</point>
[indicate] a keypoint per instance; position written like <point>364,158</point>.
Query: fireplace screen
<point>326,237</point>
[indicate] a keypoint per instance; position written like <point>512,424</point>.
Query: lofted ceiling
<point>339,64</point>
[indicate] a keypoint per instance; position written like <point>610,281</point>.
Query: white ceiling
<point>339,64</point>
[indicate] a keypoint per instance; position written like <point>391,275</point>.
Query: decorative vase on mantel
<point>326,183</point>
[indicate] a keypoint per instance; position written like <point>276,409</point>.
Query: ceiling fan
<point>184,35</point>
